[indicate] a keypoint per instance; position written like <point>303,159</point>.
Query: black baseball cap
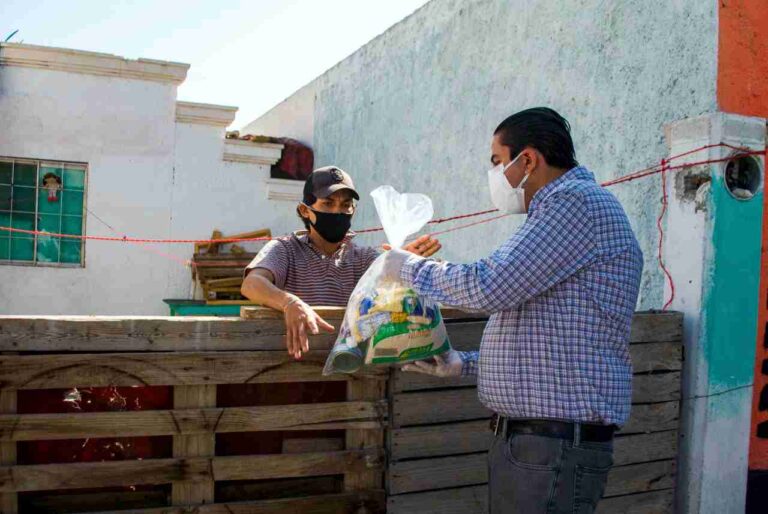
<point>323,182</point>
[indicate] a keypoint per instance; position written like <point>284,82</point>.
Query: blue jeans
<point>533,474</point>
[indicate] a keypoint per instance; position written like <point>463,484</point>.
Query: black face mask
<point>332,226</point>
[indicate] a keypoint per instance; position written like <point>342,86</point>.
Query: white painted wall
<point>148,176</point>
<point>293,117</point>
<point>416,107</point>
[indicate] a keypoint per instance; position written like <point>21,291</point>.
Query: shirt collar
<point>303,237</point>
<point>577,173</point>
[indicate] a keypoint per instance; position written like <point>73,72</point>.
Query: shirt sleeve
<point>553,244</point>
<point>371,254</point>
<point>469,363</point>
<point>274,258</point>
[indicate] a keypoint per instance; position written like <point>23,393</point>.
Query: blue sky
<point>251,54</point>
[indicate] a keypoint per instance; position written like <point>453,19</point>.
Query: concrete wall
<point>149,176</point>
<point>416,107</point>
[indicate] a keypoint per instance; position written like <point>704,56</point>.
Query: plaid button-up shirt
<point>561,292</point>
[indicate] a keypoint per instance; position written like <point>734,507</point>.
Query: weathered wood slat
<point>653,417</point>
<point>194,445</point>
<point>648,357</point>
<point>457,471</point>
<point>341,503</point>
<point>8,501</point>
<point>361,415</point>
<point>178,368</point>
<point>182,333</point>
<point>337,313</point>
<point>656,327</point>
<point>195,469</point>
<point>436,407</point>
<point>656,387</point>
<point>462,500</point>
<point>438,473</point>
<point>440,440</point>
<point>475,436</point>
<point>357,480</point>
<point>145,334</point>
<point>645,358</point>
<point>636,478</point>
<point>656,502</point>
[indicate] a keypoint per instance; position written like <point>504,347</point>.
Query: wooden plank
<point>439,440</point>
<point>653,417</point>
<point>462,500</point>
<point>361,415</point>
<point>474,500</point>
<point>9,500</point>
<point>179,368</point>
<point>656,387</point>
<point>656,502</point>
<point>362,479</point>
<point>408,381</point>
<point>196,445</point>
<point>198,469</point>
<point>428,474</point>
<point>475,436</point>
<point>341,503</point>
<point>312,444</point>
<point>666,356</point>
<point>145,334</point>
<point>57,503</point>
<point>656,327</point>
<point>465,335</point>
<point>437,407</point>
<point>472,469</point>
<point>636,448</point>
<point>637,478</point>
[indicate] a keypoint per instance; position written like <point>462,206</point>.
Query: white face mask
<point>507,199</point>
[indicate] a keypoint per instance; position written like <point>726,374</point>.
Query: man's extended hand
<point>424,246</point>
<point>300,321</point>
<point>447,364</point>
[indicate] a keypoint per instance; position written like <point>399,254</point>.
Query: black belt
<point>555,429</point>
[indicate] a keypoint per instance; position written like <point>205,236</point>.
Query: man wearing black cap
<point>318,266</point>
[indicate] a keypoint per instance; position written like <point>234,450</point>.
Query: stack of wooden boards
<point>220,273</point>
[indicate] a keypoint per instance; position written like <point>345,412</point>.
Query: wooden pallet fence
<point>194,356</point>
<point>440,434</point>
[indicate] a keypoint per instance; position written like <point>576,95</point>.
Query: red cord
<point>659,221</point>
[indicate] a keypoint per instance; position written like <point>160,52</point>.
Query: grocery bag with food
<point>386,322</point>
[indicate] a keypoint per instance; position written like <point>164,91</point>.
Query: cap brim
<point>328,191</point>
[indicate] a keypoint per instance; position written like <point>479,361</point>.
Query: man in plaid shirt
<point>554,361</point>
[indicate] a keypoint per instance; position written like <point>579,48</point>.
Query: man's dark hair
<point>543,129</point>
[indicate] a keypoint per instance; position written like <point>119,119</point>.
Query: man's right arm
<point>300,319</point>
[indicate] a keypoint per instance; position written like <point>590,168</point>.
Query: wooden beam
<point>340,503</point>
<point>637,478</point>
<point>656,502</point>
<point>360,415</point>
<point>656,387</point>
<point>653,417</point>
<point>179,368</point>
<point>8,500</point>
<point>472,469</point>
<point>476,436</point>
<point>357,480</point>
<point>194,492</point>
<point>145,334</point>
<point>437,407</point>
<point>195,469</point>
<point>462,500</point>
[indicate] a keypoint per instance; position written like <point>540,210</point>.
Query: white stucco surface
<point>416,107</point>
<point>149,176</point>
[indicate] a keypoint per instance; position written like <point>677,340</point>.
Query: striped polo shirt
<point>302,269</point>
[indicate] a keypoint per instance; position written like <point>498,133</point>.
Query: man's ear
<point>305,212</point>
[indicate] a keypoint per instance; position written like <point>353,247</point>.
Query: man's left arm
<point>553,244</point>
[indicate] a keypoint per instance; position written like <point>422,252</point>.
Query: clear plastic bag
<point>386,322</point>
